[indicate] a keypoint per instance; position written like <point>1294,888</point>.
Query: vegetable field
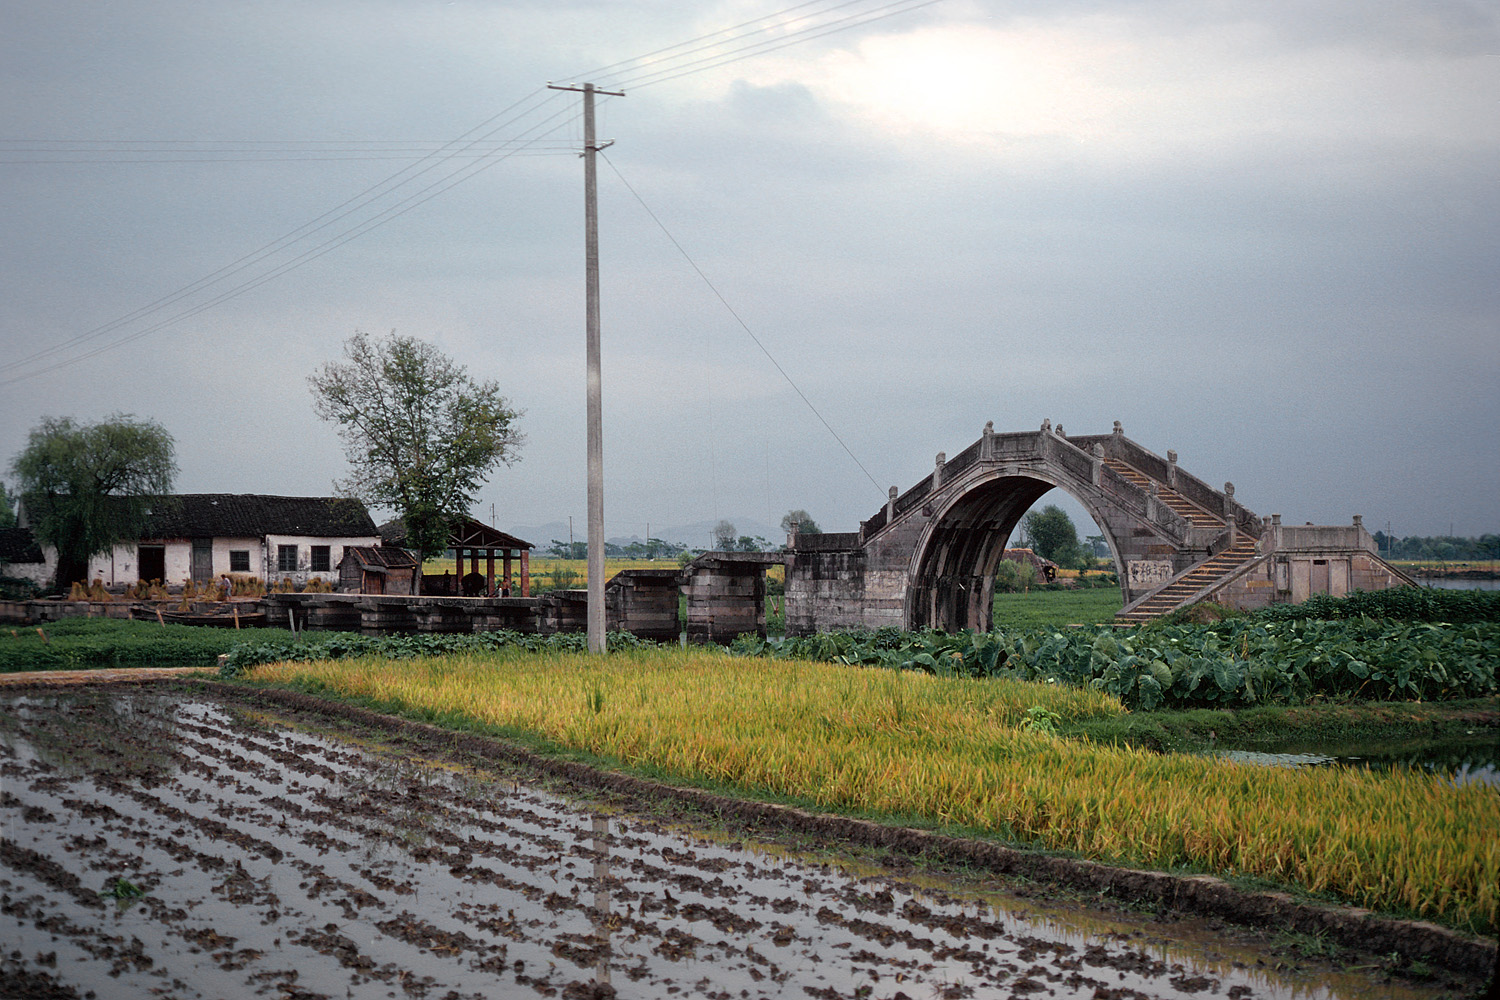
<point>1232,663</point>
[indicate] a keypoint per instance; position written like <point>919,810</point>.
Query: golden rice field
<point>954,753</point>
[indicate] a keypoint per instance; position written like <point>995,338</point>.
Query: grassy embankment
<point>957,755</point>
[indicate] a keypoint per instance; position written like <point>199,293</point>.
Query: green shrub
<point>1412,604</point>
<point>87,643</point>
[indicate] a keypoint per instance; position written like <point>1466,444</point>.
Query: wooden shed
<point>378,569</point>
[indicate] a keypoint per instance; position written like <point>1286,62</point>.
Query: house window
<point>321,561</point>
<point>239,560</point>
<point>286,558</point>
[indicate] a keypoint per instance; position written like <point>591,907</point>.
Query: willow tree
<point>420,435</point>
<point>89,486</point>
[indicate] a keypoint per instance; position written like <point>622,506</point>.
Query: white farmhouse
<point>202,536</point>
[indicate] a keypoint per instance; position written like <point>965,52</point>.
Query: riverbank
<point>1207,730</point>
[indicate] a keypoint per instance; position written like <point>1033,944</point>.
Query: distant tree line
<point>1443,548</point>
<point>651,548</point>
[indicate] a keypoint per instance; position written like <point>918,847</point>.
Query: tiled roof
<point>247,515</point>
<point>467,533</point>
<point>18,545</point>
<point>381,556</point>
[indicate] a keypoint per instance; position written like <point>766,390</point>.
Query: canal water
<point>1440,583</point>
<point>1472,759</point>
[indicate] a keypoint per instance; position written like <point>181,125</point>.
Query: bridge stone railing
<point>1217,502</point>
<point>914,496</point>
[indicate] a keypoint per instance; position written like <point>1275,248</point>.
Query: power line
<point>370,196</point>
<point>816,17</point>
<point>118,152</point>
<point>738,319</point>
<point>708,62</point>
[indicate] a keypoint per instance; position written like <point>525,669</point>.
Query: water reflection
<point>368,872</point>
<point>1467,761</point>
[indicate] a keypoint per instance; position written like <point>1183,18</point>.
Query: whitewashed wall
<point>304,544</point>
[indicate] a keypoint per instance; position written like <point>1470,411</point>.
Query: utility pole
<point>595,381</point>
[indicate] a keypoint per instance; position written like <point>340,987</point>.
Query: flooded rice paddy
<point>176,846</point>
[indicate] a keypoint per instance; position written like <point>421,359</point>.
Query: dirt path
<point>122,675</point>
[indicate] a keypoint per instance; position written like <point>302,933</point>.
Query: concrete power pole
<point>595,381</point>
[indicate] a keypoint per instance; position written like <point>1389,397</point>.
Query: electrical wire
<point>344,210</point>
<point>478,154</point>
<point>740,320</point>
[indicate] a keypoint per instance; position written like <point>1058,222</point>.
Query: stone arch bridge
<point>929,557</point>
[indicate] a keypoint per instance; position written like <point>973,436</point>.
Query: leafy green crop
<point>87,643</point>
<point>1413,604</point>
<point>1225,665</point>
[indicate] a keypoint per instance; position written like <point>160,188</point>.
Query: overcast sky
<point>1266,236</point>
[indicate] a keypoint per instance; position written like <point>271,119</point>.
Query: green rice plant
<point>122,890</point>
<point>953,752</point>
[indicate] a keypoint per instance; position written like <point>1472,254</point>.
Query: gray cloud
<point>1266,244</point>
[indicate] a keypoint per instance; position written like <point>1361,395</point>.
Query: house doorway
<point>203,560</point>
<point>152,561</point>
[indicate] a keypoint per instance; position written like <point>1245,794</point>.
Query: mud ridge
<point>1202,895</point>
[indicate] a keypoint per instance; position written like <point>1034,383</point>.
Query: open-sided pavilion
<point>479,550</point>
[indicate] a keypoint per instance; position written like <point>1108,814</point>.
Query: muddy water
<point>285,861</point>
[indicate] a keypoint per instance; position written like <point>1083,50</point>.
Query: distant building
<point>378,569</point>
<point>202,536</point>
<point>23,559</point>
<point>1046,569</point>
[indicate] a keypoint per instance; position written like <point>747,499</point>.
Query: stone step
<point>1179,504</point>
<point>1175,594</point>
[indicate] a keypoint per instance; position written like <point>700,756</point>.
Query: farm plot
<point>166,846</point>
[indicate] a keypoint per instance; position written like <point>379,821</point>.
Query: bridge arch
<point>957,554</point>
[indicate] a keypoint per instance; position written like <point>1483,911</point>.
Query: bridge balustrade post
<point>987,442</point>
<point>1230,513</point>
<point>1151,495</point>
<point>890,505</point>
<point>1172,469</point>
<point>1097,463</point>
<point>937,471</point>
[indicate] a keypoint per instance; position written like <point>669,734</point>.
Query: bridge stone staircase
<point>1184,587</point>
<point>1181,589</point>
<point>1185,508</point>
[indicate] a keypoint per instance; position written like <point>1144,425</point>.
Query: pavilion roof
<point>467,533</point>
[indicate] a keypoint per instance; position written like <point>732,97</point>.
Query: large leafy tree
<point>7,508</point>
<point>1052,534</point>
<point>88,486</point>
<point>421,436</point>
<point>800,521</point>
